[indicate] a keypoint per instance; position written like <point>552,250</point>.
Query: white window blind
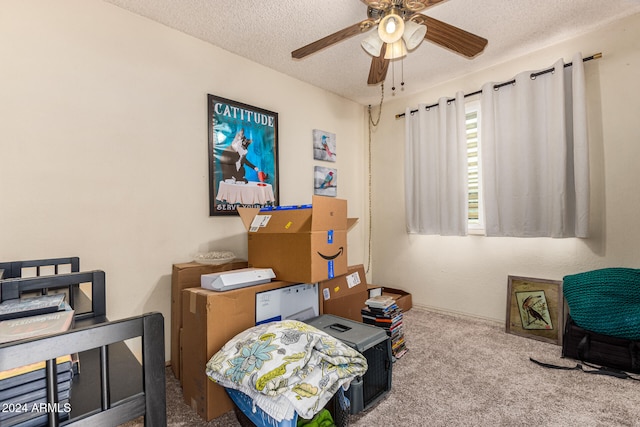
<point>472,121</point>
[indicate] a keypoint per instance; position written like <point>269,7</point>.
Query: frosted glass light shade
<point>395,50</point>
<point>391,28</point>
<point>413,34</point>
<point>372,44</point>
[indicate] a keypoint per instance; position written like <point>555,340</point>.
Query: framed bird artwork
<point>324,145</point>
<point>325,181</point>
<point>535,308</point>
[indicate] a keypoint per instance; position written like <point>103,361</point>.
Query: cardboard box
<point>300,243</point>
<point>209,320</point>
<point>344,296</point>
<point>187,275</point>
<point>402,298</point>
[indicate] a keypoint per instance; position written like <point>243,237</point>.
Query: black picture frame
<point>243,156</point>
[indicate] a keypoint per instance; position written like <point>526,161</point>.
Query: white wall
<point>103,145</point>
<point>469,274</point>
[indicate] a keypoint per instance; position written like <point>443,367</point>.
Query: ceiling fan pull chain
<point>402,71</point>
<point>375,122</point>
<point>393,76</point>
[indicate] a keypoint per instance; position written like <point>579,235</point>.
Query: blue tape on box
<point>329,236</point>
<point>284,208</point>
<point>330,271</point>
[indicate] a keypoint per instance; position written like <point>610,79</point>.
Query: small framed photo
<point>324,145</point>
<point>325,181</point>
<point>535,309</point>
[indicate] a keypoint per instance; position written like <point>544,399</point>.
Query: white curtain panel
<point>535,161</point>
<point>436,169</point>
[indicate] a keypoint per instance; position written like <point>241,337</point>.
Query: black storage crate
<point>338,411</point>
<point>375,346</point>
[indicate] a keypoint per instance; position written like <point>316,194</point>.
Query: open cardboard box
<point>305,243</point>
<point>402,298</point>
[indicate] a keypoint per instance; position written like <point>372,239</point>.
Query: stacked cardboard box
<point>187,275</point>
<point>209,320</point>
<point>382,311</point>
<point>344,295</point>
<point>301,244</point>
<point>305,243</point>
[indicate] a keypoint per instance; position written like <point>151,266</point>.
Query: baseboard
<point>457,313</point>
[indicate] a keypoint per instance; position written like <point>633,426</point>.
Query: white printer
<point>234,279</point>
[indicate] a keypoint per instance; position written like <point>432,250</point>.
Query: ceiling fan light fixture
<point>395,50</point>
<point>414,5</point>
<point>391,28</point>
<point>372,44</point>
<point>378,4</point>
<point>413,34</point>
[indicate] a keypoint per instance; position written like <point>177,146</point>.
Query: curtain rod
<point>499,85</point>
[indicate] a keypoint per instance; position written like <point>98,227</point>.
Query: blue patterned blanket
<point>286,366</point>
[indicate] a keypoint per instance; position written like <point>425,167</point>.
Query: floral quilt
<point>287,363</point>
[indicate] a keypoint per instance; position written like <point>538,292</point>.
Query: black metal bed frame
<point>14,288</point>
<point>150,403</point>
<point>13,269</point>
<point>99,342</point>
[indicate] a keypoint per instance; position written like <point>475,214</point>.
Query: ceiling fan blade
<point>334,38</point>
<point>379,67</point>
<point>451,37</point>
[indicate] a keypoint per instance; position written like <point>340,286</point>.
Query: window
<point>472,110</point>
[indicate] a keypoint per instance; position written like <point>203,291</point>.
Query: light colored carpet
<point>461,371</point>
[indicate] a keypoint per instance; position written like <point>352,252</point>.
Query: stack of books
<point>382,311</point>
<point>23,392</point>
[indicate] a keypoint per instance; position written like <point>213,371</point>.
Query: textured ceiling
<point>266,32</point>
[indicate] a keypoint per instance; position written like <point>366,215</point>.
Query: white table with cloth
<point>250,193</point>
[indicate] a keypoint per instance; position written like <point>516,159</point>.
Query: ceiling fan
<point>400,28</point>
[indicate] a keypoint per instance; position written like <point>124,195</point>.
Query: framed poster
<point>325,181</point>
<point>535,309</point>
<point>324,145</point>
<point>243,156</point>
